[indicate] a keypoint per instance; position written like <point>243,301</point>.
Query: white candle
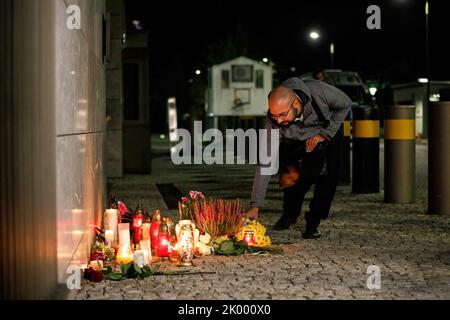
<point>138,257</point>
<point>147,248</point>
<point>111,221</point>
<point>124,234</point>
<point>146,261</point>
<point>124,255</point>
<point>196,236</point>
<point>146,231</point>
<point>109,238</point>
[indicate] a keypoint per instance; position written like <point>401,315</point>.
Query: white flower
<point>206,238</point>
<point>203,250</point>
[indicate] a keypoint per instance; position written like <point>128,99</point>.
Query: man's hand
<point>312,142</point>
<point>289,177</point>
<point>252,213</point>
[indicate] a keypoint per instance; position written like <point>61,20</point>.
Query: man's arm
<point>261,181</point>
<point>340,105</point>
<point>260,184</point>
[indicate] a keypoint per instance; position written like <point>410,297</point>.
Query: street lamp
<point>332,54</point>
<point>427,11</point>
<point>314,35</point>
<point>198,72</point>
<point>265,60</point>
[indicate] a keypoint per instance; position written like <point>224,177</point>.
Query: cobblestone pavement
<point>411,248</point>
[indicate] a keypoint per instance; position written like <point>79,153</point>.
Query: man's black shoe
<point>284,223</point>
<point>311,233</point>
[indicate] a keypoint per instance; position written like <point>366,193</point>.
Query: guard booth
<point>237,94</point>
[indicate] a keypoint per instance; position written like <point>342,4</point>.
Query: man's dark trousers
<point>325,188</point>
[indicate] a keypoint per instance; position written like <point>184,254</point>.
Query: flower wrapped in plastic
<point>186,205</point>
<point>259,233</point>
<point>203,246</point>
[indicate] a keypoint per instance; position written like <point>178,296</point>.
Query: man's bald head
<point>281,99</point>
<point>280,94</point>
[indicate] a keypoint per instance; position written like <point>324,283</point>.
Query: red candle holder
<point>137,224</point>
<point>249,237</point>
<point>163,249</point>
<point>154,229</point>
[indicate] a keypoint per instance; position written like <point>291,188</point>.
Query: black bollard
<point>399,154</point>
<point>366,150</point>
<point>439,158</point>
<point>344,156</point>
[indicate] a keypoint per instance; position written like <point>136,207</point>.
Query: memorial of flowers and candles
<point>131,244</point>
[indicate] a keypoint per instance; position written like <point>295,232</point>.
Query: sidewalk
<point>411,248</point>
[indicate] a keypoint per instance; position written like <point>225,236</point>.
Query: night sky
<point>191,35</point>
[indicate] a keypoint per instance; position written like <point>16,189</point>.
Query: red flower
<point>195,195</point>
<point>122,208</point>
<point>98,255</point>
<point>96,276</point>
<point>184,200</point>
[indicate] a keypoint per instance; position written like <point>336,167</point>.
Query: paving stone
<point>409,246</point>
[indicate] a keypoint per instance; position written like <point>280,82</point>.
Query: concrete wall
<point>27,155</point>
<point>52,131</point>
<point>80,130</point>
<point>114,92</point>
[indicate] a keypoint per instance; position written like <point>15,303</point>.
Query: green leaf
<point>114,276</point>
<point>227,246</point>
<point>126,268</point>
<point>138,269</point>
<point>146,273</point>
<point>242,243</point>
<point>146,269</point>
<point>122,267</point>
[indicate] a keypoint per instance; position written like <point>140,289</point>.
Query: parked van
<point>349,82</point>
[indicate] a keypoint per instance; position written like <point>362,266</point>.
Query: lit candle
<point>138,257</point>
<point>146,257</point>
<point>137,224</point>
<point>147,249</point>
<point>196,236</point>
<point>109,238</point>
<point>146,231</point>
<point>163,245</point>
<point>174,254</point>
<point>111,221</point>
<point>154,228</point>
<point>249,237</point>
<point>186,245</point>
<point>124,234</point>
<point>124,255</point>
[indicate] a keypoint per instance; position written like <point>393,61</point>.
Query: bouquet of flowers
<point>186,205</point>
<point>219,217</point>
<point>259,232</point>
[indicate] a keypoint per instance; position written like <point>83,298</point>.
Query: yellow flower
<point>259,231</point>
